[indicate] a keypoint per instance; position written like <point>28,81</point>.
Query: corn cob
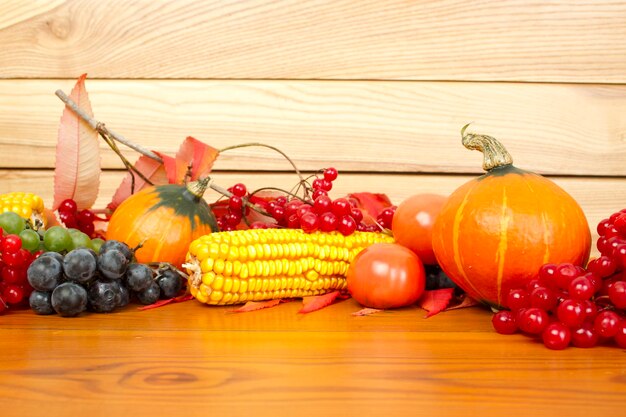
<point>262,264</point>
<point>28,205</point>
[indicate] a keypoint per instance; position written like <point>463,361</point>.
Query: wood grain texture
<point>512,40</point>
<point>192,359</point>
<point>598,197</point>
<point>355,126</point>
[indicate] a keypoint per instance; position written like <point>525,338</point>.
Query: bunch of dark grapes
<point>83,280</point>
<point>317,213</point>
<point>570,305</point>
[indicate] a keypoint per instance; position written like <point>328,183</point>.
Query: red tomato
<point>413,224</point>
<point>386,275</point>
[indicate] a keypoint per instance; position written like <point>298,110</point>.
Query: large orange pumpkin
<point>495,231</point>
<point>164,219</point>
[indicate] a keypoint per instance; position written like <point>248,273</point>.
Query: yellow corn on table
<point>197,360</point>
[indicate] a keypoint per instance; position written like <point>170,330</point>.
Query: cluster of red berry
<point>72,218</point>
<point>14,262</point>
<point>568,304</point>
<point>320,212</point>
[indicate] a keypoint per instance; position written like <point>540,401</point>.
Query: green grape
<point>57,239</point>
<point>80,240</point>
<point>96,244</point>
<point>30,239</point>
<point>12,223</point>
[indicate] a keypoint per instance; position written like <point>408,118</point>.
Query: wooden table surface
<point>191,359</point>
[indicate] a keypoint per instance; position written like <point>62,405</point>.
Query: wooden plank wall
<point>377,88</point>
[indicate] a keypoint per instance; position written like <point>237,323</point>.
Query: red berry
<point>322,204</point>
<point>620,335</point>
<point>309,222</point>
<point>13,294</point>
<point>232,218</point>
<point>543,297</point>
<point>235,203</point>
<point>85,217</point>
<point>293,222</point>
<point>326,185</point>
<point>303,209</point>
<point>504,322</point>
<point>68,206</point>
<point>239,190</point>
<point>602,266</point>
<point>585,336</point>
<point>341,207</point>
<point>571,313</point>
<point>556,336</point>
<point>611,232</point>
<point>278,213</point>
<point>13,275</point>
<point>317,184</point>
<point>603,226</point>
<point>564,274</point>
<point>330,174</point>
<point>291,207</point>
<point>581,288</point>
<point>547,274</point>
<point>318,193</point>
<point>346,225</point>
<point>88,229</point>
<point>281,201</point>
<point>517,299</point>
<point>620,223</point>
<point>328,222</point>
<point>11,244</point>
<point>533,320</point>
<point>532,284</point>
<point>606,323</point>
<point>356,214</point>
<point>617,294</point>
<point>385,218</point>
<point>69,219</point>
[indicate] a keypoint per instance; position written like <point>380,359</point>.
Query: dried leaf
<point>162,303</point>
<point>193,156</point>
<point>151,169</point>
<point>77,167</point>
<point>198,155</point>
<point>465,302</point>
<point>317,302</point>
<point>371,204</point>
<point>367,312</point>
<point>257,305</point>
<point>435,301</point>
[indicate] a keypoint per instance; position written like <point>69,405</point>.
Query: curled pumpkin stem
<point>495,154</point>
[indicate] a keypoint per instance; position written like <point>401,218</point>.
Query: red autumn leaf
<point>77,168</point>
<point>257,305</point>
<point>162,303</point>
<point>318,302</point>
<point>194,156</point>
<point>367,312</point>
<point>151,169</point>
<point>371,204</point>
<point>435,301</point>
<point>465,302</point>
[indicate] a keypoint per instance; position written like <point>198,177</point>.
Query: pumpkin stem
<point>197,188</point>
<point>494,154</point>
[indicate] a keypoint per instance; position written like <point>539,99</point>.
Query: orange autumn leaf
<point>435,301</point>
<point>258,305</point>
<point>149,168</point>
<point>317,302</point>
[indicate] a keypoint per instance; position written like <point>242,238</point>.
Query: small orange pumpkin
<point>495,231</point>
<point>164,220</point>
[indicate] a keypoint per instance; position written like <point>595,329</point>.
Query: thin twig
<point>99,127</point>
<point>263,145</point>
